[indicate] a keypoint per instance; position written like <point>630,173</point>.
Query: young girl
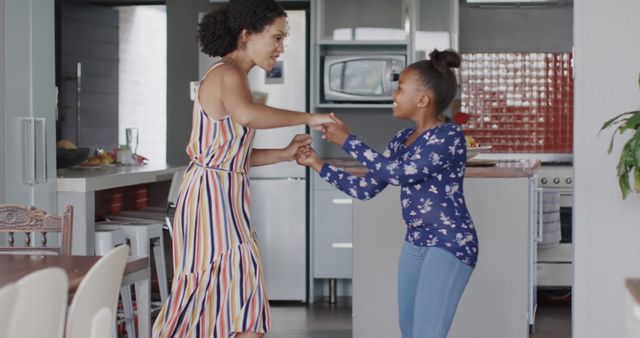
<point>218,288</point>
<point>428,162</point>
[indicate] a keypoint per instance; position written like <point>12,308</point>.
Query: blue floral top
<point>431,173</point>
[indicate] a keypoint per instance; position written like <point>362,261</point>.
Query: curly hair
<point>220,29</point>
<point>436,74</point>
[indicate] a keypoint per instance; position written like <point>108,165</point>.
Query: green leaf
<point>609,122</point>
<point>634,121</point>
<point>623,181</point>
<point>636,179</point>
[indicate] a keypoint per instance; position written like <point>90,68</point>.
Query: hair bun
<point>443,60</point>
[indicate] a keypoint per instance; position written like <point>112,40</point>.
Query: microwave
<point>368,78</point>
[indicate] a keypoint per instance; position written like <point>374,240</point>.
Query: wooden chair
<point>17,219</point>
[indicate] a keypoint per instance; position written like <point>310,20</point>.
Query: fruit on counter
<point>470,141</point>
<point>65,144</point>
<point>98,160</point>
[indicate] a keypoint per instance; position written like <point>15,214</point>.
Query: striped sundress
<point>218,288</point>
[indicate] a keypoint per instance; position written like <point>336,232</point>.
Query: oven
<point>555,259</point>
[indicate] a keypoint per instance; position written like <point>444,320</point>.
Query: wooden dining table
<point>14,267</point>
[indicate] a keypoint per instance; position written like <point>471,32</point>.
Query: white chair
<point>101,323</point>
<point>150,217</point>
<point>40,305</point>
<point>105,241</point>
<point>7,299</point>
<point>158,214</point>
<point>98,289</point>
<point>143,236</point>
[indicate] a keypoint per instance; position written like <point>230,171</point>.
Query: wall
<point>182,67</point>
<point>606,229</point>
<point>491,29</point>
<point>89,34</point>
<point>142,79</point>
<point>2,145</point>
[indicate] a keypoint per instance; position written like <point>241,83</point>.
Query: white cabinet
<point>29,101</point>
<point>332,234</point>
<point>496,301</point>
<point>341,20</point>
<point>278,216</point>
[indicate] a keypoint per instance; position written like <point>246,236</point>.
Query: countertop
<point>475,168</point>
<point>88,180</point>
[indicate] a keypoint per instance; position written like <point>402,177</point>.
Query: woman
<point>428,162</point>
<point>218,288</point>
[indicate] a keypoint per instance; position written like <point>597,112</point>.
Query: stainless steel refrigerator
<point>278,192</point>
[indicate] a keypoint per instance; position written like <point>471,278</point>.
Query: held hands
<point>336,132</point>
<point>316,121</point>
<point>298,141</point>
<point>307,156</point>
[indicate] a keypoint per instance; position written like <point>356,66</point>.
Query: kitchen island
<point>499,297</point>
<point>77,187</point>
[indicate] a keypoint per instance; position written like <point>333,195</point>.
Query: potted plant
<point>629,162</point>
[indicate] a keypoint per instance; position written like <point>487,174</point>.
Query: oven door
<point>555,264</point>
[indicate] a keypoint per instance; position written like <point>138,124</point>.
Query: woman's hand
<point>298,141</point>
<point>336,132</point>
<point>316,121</point>
<point>307,156</point>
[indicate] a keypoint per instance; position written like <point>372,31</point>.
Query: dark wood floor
<point>322,320</point>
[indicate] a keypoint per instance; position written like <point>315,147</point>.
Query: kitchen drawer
<point>332,234</point>
<point>332,213</point>
<point>332,257</point>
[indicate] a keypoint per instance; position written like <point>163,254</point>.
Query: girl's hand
<point>336,132</point>
<point>317,121</point>
<point>307,156</point>
<point>298,141</point>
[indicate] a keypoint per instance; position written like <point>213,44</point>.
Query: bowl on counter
<point>66,158</point>
<point>474,151</point>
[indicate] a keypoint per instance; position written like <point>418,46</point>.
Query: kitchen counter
<point>78,186</point>
<point>87,180</point>
<point>475,168</point>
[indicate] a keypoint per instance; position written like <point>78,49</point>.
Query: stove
<point>555,261</point>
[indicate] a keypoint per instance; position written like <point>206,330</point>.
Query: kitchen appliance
<point>28,104</point>
<point>361,77</point>
<point>554,264</point>
<point>279,191</point>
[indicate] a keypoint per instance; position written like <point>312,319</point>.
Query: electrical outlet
<point>193,89</point>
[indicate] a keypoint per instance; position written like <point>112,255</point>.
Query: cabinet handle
<point>78,100</point>
<point>29,151</point>
<point>539,196</point>
<point>338,245</point>
<point>40,142</point>
<point>342,201</point>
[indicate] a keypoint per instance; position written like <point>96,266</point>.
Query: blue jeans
<point>430,283</point>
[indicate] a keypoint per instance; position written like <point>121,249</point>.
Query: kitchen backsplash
<point>518,102</point>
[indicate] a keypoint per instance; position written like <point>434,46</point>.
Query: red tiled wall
<point>519,102</point>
